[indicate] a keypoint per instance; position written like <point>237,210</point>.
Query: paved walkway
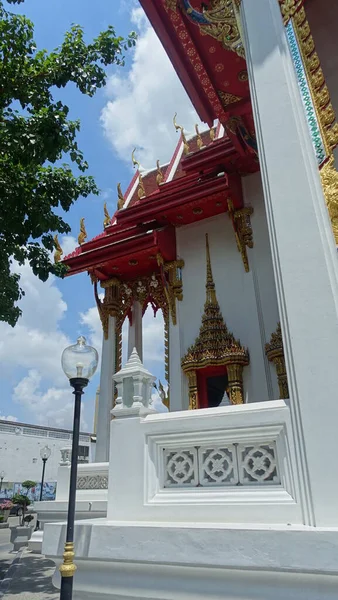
<point>29,578</point>
<point>24,575</point>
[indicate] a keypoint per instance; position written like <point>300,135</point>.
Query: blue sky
<point>135,109</point>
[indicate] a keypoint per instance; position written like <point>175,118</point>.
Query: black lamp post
<point>45,454</point>
<point>2,475</point>
<point>79,363</point>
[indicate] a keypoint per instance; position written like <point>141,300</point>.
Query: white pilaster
<point>135,330</point>
<point>303,253</point>
<point>178,394</point>
<point>106,394</point>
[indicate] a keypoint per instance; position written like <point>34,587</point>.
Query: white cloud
<point>68,244</point>
<point>53,407</point>
<point>8,418</point>
<point>92,320</point>
<point>142,103</point>
<point>34,346</point>
<point>36,339</point>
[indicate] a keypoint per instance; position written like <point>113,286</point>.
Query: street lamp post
<point>79,363</point>
<point>2,475</point>
<point>45,454</point>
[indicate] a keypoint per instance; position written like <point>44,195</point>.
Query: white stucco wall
<point>18,452</point>
<point>262,273</point>
<point>247,300</point>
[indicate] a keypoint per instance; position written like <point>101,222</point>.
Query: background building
<point>20,446</point>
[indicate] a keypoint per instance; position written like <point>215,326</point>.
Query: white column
<point>135,331</point>
<point>304,257</point>
<point>106,394</point>
<point>178,392</point>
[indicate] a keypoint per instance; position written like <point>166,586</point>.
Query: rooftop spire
<point>210,285</point>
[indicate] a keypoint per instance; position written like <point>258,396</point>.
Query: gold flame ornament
<point>83,234</point>
<point>58,250</point>
<point>199,139</point>
<point>120,197</point>
<point>141,191</point>
<point>106,221</point>
<point>184,139</point>
<point>159,176</point>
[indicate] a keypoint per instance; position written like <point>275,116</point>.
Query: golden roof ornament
<point>83,234</point>
<point>215,345</point>
<point>159,176</point>
<point>274,351</point>
<point>120,197</point>
<point>106,221</point>
<point>199,139</point>
<point>141,191</point>
<point>184,139</point>
<point>58,250</point>
<point>212,134</point>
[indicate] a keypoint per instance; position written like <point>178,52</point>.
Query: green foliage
<point>21,500</point>
<point>28,484</point>
<point>35,133</point>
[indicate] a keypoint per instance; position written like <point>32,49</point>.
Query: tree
<point>23,499</point>
<point>35,135</point>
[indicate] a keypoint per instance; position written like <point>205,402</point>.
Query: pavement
<point>24,575</point>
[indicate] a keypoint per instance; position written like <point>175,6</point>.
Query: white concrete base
<point>35,543</point>
<point>185,562</point>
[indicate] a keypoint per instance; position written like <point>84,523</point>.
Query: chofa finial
<point>184,139</point>
<point>83,234</point>
<point>141,191</point>
<point>106,221</point>
<point>120,197</point>
<point>159,176</point>
<point>199,139</point>
<point>58,250</point>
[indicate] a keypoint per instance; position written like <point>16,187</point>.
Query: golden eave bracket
<point>241,222</point>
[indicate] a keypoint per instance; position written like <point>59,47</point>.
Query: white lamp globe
<point>45,453</point>
<point>79,360</point>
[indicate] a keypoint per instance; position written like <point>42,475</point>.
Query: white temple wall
<point>260,263</point>
<point>235,293</point>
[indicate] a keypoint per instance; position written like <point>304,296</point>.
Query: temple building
<point>229,494</point>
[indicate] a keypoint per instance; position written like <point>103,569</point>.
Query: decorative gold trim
<point>106,221</point>
<point>275,353</point>
<point>215,345</point>
<point>110,306</point>
<point>289,8</point>
<point>228,98</point>
<point>329,178</point>
<point>184,139</point>
<point>241,223</point>
<point>173,286</point>
<point>68,568</point>
<point>58,250</point>
<point>199,139</point>
<point>321,99</point>
<point>316,80</point>
<point>219,20</point>
<point>83,234</point>
<point>159,176</point>
<point>193,391</point>
<point>120,197</point>
<point>166,347</point>
<point>235,383</point>
<point>118,347</point>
